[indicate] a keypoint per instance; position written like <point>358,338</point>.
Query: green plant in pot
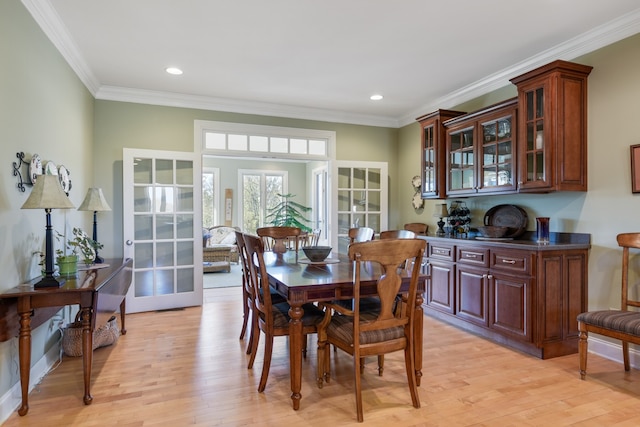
<point>288,213</point>
<point>81,247</point>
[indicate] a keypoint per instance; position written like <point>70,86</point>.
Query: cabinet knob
<point>490,276</point>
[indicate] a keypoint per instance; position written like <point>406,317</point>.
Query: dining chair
<point>360,234</point>
<point>272,318</point>
<point>276,238</point>
<point>374,333</point>
<point>248,295</point>
<point>419,228</point>
<point>397,234</point>
<point>622,324</point>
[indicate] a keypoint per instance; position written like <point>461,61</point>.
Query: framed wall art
<point>635,168</point>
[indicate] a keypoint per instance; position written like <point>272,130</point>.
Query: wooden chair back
<point>312,238</point>
<point>417,227</point>
<point>258,278</point>
<point>360,234</point>
<point>619,324</point>
<point>247,288</point>
<point>397,234</point>
<point>276,239</point>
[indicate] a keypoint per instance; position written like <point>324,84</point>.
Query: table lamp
<point>95,201</point>
<point>47,194</point>
<point>440,211</point>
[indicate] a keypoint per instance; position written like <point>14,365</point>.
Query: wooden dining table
<point>301,282</point>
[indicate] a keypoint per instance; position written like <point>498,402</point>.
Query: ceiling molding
<point>167,99</point>
<point>599,37</point>
<point>50,23</point>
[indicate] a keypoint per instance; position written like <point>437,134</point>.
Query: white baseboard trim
<point>11,400</point>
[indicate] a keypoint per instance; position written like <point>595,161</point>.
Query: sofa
<point>219,244</point>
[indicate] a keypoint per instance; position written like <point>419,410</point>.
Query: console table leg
<point>87,353</point>
<point>24,352</point>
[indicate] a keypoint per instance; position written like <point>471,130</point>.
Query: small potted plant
<point>81,247</point>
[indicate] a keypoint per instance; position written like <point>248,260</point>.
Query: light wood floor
<point>187,367</point>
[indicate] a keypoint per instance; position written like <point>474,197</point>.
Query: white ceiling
<point>322,59</point>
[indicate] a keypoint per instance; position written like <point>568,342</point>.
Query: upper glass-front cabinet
<point>481,151</point>
<point>433,153</point>
<point>553,127</point>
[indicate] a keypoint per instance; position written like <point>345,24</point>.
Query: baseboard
<point>11,400</point>
<point>613,351</point>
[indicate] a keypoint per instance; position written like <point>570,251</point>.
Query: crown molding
<point>51,24</point>
<point>49,21</point>
<point>594,39</point>
<point>169,99</point>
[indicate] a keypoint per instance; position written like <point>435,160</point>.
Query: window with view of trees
<point>260,191</point>
<point>210,197</point>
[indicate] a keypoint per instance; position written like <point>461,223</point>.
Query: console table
<point>99,293</point>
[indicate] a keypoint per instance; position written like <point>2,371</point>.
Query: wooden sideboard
<point>99,293</point>
<point>518,293</point>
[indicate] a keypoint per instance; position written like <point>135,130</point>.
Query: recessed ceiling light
<point>376,97</point>
<point>173,70</point>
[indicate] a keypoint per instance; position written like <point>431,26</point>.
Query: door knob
<point>129,242</point>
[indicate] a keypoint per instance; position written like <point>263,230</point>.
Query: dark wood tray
<point>511,216</point>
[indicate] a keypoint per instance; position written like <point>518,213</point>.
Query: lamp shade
<point>94,201</point>
<point>441,211</point>
<point>47,193</point>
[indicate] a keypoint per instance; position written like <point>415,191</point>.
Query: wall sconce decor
<point>47,194</point>
<point>95,201</point>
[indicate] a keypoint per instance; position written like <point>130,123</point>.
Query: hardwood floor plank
<point>188,368</point>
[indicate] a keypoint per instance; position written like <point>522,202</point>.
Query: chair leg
<point>255,338</point>
<point>625,355</point>
<point>380,364</point>
<point>266,364</point>
<point>252,333</point>
<point>357,362</point>
<point>245,310</point>
<point>410,365</point>
<point>582,349</point>
<point>320,368</point>
<point>304,346</point>
<point>326,364</point>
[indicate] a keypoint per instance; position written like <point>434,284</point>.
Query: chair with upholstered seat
<point>360,234</point>
<point>374,333</point>
<point>419,228</point>
<point>622,324</point>
<point>272,319</point>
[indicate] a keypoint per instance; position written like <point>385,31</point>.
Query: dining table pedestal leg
<point>295,352</point>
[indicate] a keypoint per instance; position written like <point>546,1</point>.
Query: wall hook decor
<point>17,166</point>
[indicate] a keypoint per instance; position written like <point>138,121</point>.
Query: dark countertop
<point>562,241</point>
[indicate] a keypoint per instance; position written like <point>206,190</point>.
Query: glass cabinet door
<point>497,160</point>
<point>535,139</point>
<point>429,161</point>
<point>462,172</point>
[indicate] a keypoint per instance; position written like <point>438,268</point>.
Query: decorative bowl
<point>317,253</point>
<point>493,231</point>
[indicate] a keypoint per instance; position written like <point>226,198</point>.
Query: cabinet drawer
<point>473,256</point>
<point>512,261</point>
<point>439,251</point>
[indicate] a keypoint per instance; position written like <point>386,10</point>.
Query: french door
<point>362,192</point>
<point>162,223</point>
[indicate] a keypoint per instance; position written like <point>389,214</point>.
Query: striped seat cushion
<point>341,327</point>
<point>624,321</point>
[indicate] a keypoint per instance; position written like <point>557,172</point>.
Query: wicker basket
<point>72,336</point>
